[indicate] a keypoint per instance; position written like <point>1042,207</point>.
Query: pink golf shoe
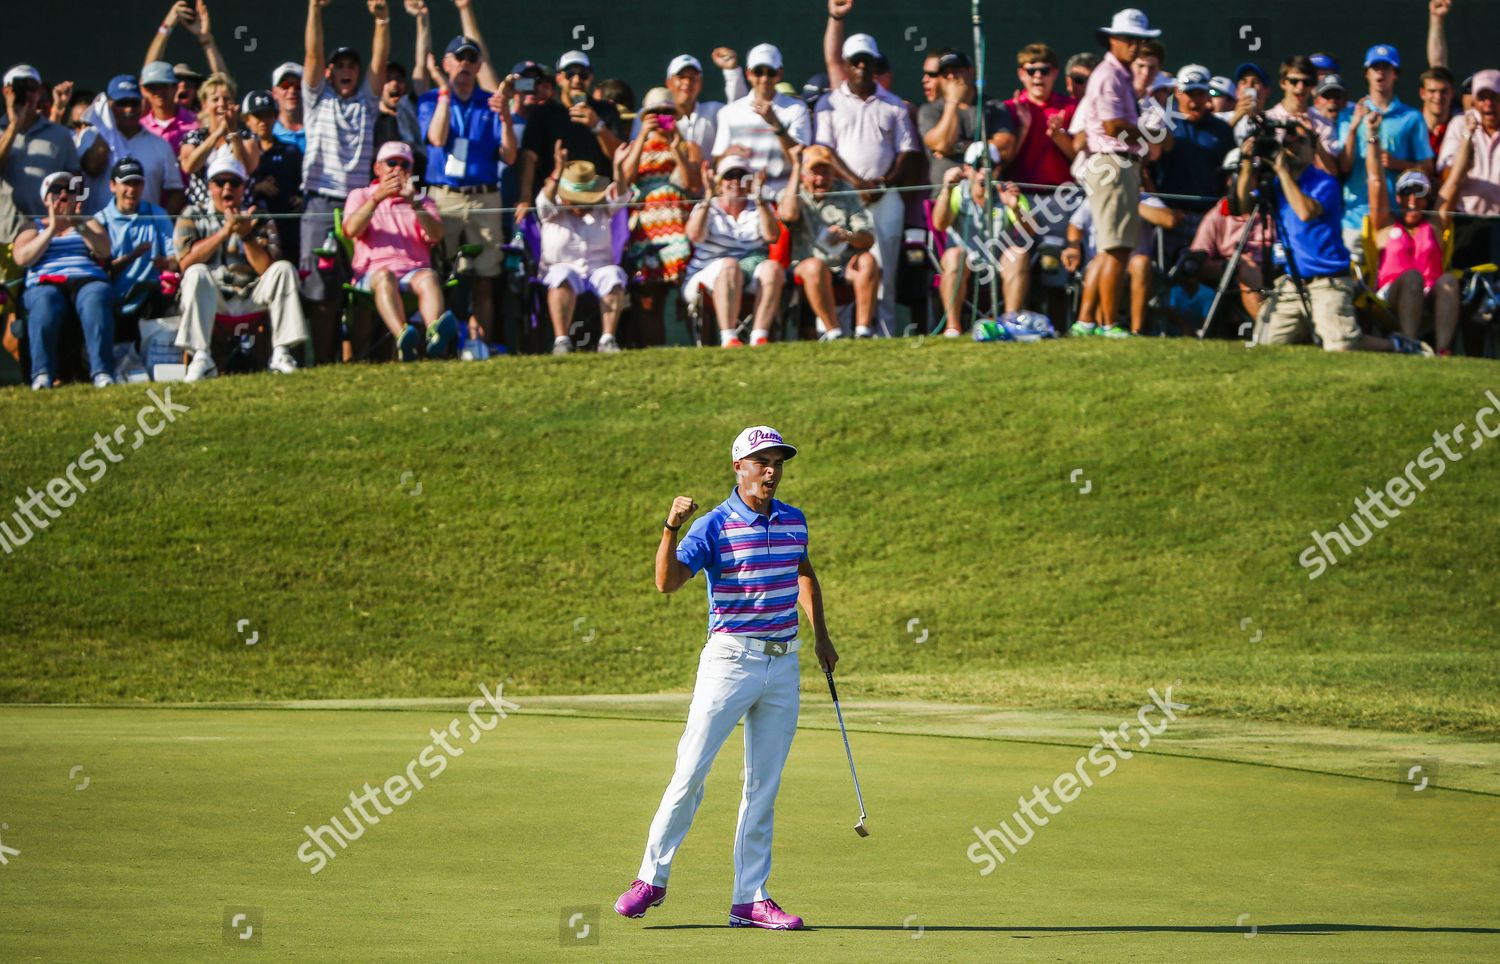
<point>763,913</point>
<point>639,898</point>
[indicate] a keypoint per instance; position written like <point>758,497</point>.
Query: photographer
<point>1309,209</point>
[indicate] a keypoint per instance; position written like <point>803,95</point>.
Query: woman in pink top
<point>1411,275</point>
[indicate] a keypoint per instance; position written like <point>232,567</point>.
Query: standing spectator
<point>661,167</point>
<point>115,132</point>
<point>340,103</point>
<point>1112,180</point>
<point>192,17</point>
<point>1139,269</point>
<point>276,182</point>
<point>1146,68</point>
<point>1192,157</point>
<point>766,124</point>
<point>1324,64</point>
<point>870,134</point>
<point>1221,92</point>
<point>538,90</point>
<point>1077,70</point>
<point>222,135</point>
<point>286,87</point>
<point>1402,141</point>
<point>832,238</point>
<point>950,123</point>
<point>583,126</point>
<point>188,82</point>
<point>577,209</point>
<point>697,120</point>
<point>1298,80</point>
<point>931,73</point>
<point>469,133</point>
<point>731,229</point>
<point>1252,88</point>
<point>397,119</point>
<point>393,232</point>
<point>31,147</point>
<point>1045,150</point>
<point>1470,162</point>
<point>1329,102</point>
<point>62,253</point>
<point>164,117</point>
<point>230,262</point>
<point>140,238</point>
<point>1437,104</point>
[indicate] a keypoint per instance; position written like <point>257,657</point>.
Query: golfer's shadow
<point>1287,929</point>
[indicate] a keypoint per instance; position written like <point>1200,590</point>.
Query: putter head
<point>859,828</point>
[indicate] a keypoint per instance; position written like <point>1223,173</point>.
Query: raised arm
<point>312,44</point>
<point>380,46</point>
<point>1380,202</point>
<point>488,79</point>
<point>833,41</point>
<point>201,31</point>
<point>437,128</point>
<point>789,208</point>
<point>1437,38</point>
<point>421,81</point>
<point>671,574</point>
<point>176,14</point>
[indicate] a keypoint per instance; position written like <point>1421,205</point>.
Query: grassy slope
<point>935,478</point>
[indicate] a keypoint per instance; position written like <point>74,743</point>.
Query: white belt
<point>771,647</point>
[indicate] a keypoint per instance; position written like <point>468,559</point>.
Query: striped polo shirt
<point>340,138</point>
<point>751,565</point>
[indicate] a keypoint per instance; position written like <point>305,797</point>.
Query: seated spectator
<point>585,127</point>
<point>832,234</point>
<point>1192,157</point>
<point>950,123</point>
<point>140,241</point>
<point>1402,139</point>
<point>1470,163</point>
<point>31,148</point>
<point>766,124</point>
<point>1410,274</point>
<point>61,254</point>
<point>219,134</point>
<point>661,166</point>
<point>286,87</point>
<point>731,230</point>
<point>393,233</point>
<point>230,262</point>
<point>161,114</point>
<point>959,211</point>
<point>577,209</point>
<point>115,133</point>
<point>1189,300</point>
<point>1076,72</point>
<point>1219,236</point>
<point>1083,245</point>
<point>276,182</point>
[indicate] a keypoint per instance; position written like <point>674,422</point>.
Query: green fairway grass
<point>188,817</point>
<point>411,531</point>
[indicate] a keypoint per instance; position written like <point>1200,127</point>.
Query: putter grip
<point>833,691</point>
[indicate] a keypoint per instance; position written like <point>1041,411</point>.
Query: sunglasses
<point>1040,70</point>
<point>932,73</point>
<point>864,63</point>
<point>1079,78</point>
<point>227,183</point>
<point>767,71</point>
<point>400,162</point>
<point>577,73</point>
<point>289,83</point>
<point>1298,81</point>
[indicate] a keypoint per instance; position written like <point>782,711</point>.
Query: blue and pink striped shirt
<point>751,564</point>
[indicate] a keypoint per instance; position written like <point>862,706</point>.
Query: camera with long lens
<point>1266,137</point>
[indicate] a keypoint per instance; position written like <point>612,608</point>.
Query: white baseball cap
<point>573,58</point>
<point>22,71</point>
<point>287,68</point>
<point>224,162</point>
<point>758,438</point>
<point>682,62</point>
<point>972,154</point>
<point>1194,77</point>
<point>861,43</point>
<point>763,55</point>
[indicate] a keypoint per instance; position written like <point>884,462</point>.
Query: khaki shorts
<point>1283,320</point>
<point>1113,185</point>
<point>463,223</point>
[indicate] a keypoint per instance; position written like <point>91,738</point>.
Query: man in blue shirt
<point>1309,209</point>
<point>140,240</point>
<point>1403,138</point>
<point>1193,155</point>
<point>286,87</point>
<point>469,131</point>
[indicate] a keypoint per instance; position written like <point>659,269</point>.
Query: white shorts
<point>600,281</point>
<point>704,279</point>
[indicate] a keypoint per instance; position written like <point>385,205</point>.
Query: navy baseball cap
<point>529,68</point>
<point>258,102</point>
<point>954,61</point>
<point>127,169</point>
<point>1382,54</point>
<point>349,52</point>
<point>123,87</point>
<point>1250,68</point>
<point>462,43</point>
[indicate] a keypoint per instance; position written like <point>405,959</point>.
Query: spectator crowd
<point>348,206</point>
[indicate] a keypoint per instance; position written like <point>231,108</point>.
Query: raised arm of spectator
<point>1347,151</point>
<point>312,43</point>
<point>559,161</point>
<point>1458,171</point>
<point>199,27</point>
<point>735,84</point>
<point>1437,38</point>
<point>421,81</point>
<point>437,128</point>
<point>789,208</point>
<point>179,12</point>
<point>380,46</point>
<point>697,222</point>
<point>942,208</point>
<point>944,134</point>
<point>770,225</point>
<point>19,117</point>
<point>469,24</point>
<point>1380,202</point>
<point>833,41</point>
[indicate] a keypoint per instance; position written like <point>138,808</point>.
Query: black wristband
<point>671,528</point>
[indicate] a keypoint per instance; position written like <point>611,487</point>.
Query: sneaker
<point>952,333</point>
<point>282,362</point>
<point>409,342</point>
<point>41,381</point>
<point>759,338</point>
<point>733,342</point>
<point>1445,352</point>
<point>202,366</point>
<point>863,331</point>
<point>763,913</point>
<point>1083,329</point>
<point>608,345</point>
<point>1112,331</point>
<point>561,345</point>
<point>639,898</point>
<point>1411,346</point>
<point>832,334</point>
<point>441,334</point>
<point>103,380</point>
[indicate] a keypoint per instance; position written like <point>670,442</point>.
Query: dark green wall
<point>96,39</point>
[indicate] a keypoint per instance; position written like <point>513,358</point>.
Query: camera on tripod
<point>1266,137</point>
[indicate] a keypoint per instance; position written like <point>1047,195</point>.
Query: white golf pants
<point>733,682</point>
<point>889,214</point>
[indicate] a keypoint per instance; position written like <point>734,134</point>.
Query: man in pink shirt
<point>166,118</point>
<point>393,234</point>
<point>1112,174</point>
<point>1469,163</point>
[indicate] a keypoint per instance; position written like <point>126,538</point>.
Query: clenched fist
<point>682,507</point>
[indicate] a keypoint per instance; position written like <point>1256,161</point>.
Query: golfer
<point>754,550</point>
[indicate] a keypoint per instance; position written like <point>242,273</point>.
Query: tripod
<point>1266,212</point>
